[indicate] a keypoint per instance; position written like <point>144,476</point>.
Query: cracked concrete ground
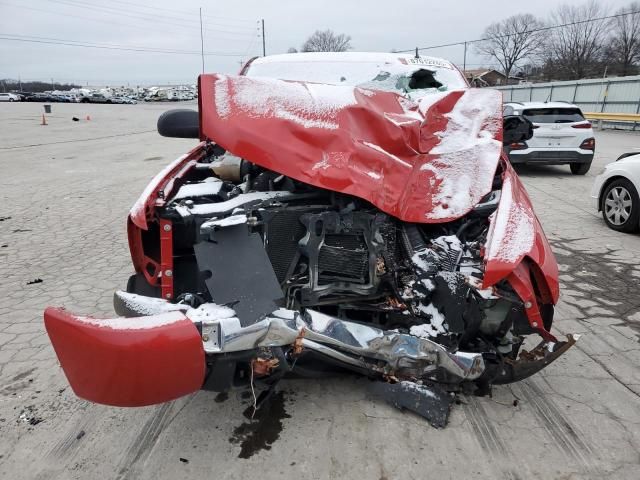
<point>66,189</point>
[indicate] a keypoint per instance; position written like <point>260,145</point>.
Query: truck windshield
<point>381,75</point>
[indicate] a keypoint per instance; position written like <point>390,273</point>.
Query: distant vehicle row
<point>93,97</point>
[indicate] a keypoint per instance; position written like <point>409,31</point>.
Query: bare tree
<point>292,50</point>
<point>575,50</point>
<point>512,40</point>
<point>624,44</point>
<point>327,41</point>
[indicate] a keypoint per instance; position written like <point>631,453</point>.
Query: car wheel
<point>108,101</point>
<point>11,99</point>
<point>621,206</point>
<point>580,168</point>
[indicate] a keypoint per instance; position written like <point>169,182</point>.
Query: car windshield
<point>415,78</point>
<point>554,115</point>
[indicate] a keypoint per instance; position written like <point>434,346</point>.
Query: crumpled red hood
<point>426,161</point>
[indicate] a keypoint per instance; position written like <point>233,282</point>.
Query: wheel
<point>11,99</point>
<point>108,101</point>
<point>580,168</point>
<point>621,206</point>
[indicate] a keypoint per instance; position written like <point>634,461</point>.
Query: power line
<point>542,29</point>
<point>156,18</point>
<point>136,25</point>
<point>130,48</point>
<point>180,12</point>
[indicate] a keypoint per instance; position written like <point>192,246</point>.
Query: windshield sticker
<point>431,62</point>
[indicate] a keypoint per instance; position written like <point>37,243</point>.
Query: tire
<point>580,168</point>
<point>621,206</point>
<point>11,100</point>
<point>108,101</point>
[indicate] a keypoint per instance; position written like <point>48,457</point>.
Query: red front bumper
<point>128,362</point>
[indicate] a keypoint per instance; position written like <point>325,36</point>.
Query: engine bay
<point>282,243</point>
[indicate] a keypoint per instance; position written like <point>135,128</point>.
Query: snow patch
<point>135,323</point>
<point>140,205</point>
<point>149,305</point>
<point>432,329</point>
<point>229,205</point>
<point>209,312</point>
<point>211,186</point>
<point>418,388</point>
<point>513,232</point>
<point>466,152</point>
<point>225,222</point>
<point>309,105</point>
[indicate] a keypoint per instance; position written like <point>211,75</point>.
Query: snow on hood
<point>430,160</point>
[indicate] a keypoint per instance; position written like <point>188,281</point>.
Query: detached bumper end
<point>128,362</point>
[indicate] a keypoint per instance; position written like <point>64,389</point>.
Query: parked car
<point>24,96</point>
<point>615,193</point>
<point>561,136</point>
<point>9,97</point>
<point>42,97</point>
<point>361,214</point>
<point>96,98</point>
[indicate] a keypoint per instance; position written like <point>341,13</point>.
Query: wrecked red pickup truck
<point>351,211</point>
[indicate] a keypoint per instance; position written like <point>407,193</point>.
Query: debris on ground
<point>29,415</point>
<point>37,280</point>
<point>429,401</point>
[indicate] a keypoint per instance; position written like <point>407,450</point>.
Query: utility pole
<point>52,89</point>
<point>417,53</point>
<point>201,41</point>
<point>264,48</point>
<point>464,61</point>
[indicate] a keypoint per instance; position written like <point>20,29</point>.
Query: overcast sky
<point>231,27</point>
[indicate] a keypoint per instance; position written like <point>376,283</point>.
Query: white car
<point>615,193</point>
<point>561,136</point>
<point>9,97</point>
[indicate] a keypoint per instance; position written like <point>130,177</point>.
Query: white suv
<point>561,136</point>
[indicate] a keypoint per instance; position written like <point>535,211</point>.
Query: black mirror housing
<point>179,123</point>
<point>516,129</point>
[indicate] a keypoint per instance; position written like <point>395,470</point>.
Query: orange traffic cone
<point>44,120</point>
<point>88,118</point>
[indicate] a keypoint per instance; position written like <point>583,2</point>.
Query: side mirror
<point>516,129</point>
<point>179,123</point>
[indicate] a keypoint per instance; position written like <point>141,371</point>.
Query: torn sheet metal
<point>430,160</point>
<point>530,362</point>
<point>429,401</point>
